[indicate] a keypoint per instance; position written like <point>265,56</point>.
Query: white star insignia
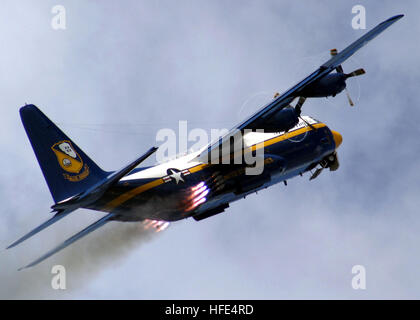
<point>177,176</point>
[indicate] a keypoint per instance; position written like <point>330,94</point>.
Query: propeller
<point>355,73</point>
<point>348,98</point>
<point>298,109</point>
<point>330,162</point>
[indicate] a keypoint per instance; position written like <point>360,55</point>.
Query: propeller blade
<point>299,104</point>
<point>335,163</point>
<point>348,97</point>
<point>316,173</point>
<point>339,69</point>
<point>307,123</point>
<point>355,73</point>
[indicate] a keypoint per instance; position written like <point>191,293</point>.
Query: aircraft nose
<point>337,138</point>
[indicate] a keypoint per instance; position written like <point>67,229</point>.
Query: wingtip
<point>29,265</point>
<point>14,244</point>
<point>396,17</point>
<point>22,268</point>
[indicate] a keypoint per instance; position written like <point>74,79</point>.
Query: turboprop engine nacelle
<point>282,120</point>
<point>327,86</point>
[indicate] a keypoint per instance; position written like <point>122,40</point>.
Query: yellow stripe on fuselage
<point>132,193</point>
<point>286,136</point>
<point>136,191</point>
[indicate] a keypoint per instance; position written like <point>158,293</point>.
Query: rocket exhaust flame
<point>158,225</point>
<point>147,223</point>
<point>199,191</point>
<point>196,204</point>
<point>197,195</point>
<point>197,186</point>
<point>163,226</point>
<point>202,195</point>
<point>202,200</point>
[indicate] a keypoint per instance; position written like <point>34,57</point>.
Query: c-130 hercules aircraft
<point>193,186</point>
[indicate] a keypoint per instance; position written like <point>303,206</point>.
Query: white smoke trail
<point>83,261</point>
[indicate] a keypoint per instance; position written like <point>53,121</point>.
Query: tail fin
<point>66,168</point>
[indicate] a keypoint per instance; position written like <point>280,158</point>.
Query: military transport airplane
<point>193,186</point>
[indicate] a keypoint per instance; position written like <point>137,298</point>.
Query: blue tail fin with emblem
<point>66,168</point>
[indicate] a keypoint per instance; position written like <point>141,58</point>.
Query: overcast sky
<point>119,73</point>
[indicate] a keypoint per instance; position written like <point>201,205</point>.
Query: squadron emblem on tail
<point>70,161</point>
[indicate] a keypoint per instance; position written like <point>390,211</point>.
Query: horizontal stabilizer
<point>71,204</point>
<point>117,175</point>
<point>61,214</point>
<point>72,239</point>
<point>97,190</point>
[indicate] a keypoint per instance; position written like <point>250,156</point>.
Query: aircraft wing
<point>269,110</point>
<point>72,239</point>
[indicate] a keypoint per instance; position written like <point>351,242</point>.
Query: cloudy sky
<point>119,73</point>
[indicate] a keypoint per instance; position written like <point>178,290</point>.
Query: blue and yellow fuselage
<point>152,193</point>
